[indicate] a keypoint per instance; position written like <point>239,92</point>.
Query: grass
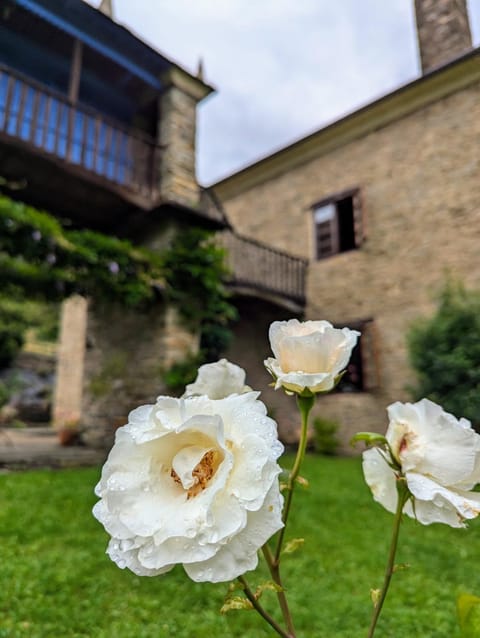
<point>56,581</point>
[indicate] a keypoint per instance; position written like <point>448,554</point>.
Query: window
<point>362,371</point>
<point>338,224</point>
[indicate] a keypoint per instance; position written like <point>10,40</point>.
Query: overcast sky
<point>282,68</point>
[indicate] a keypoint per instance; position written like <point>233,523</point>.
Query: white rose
<point>309,354</point>
<point>439,457</point>
<point>218,380</point>
<point>192,481</point>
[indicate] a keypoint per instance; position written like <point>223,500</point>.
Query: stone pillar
<point>67,400</point>
<point>177,182</point>
<point>443,31</point>
<point>178,341</point>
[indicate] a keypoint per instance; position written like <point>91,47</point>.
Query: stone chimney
<point>443,31</point>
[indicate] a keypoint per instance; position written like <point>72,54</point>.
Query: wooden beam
<point>75,71</point>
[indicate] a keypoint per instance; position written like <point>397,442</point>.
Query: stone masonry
<point>443,31</point>
<point>177,137</point>
<point>67,401</point>
<point>126,354</point>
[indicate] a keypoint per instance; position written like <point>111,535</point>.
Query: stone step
<point>24,448</point>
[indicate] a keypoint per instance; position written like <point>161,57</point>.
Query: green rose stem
<point>256,605</point>
<point>282,599</point>
<point>305,404</point>
<point>403,496</point>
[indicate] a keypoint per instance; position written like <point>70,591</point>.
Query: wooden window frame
<point>333,247</point>
<point>368,357</point>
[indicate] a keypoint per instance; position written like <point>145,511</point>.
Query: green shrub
<point>325,436</point>
<point>182,373</point>
<point>13,324</point>
<point>4,393</point>
<point>444,351</point>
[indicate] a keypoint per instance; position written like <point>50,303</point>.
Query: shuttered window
<point>363,368</point>
<point>338,224</point>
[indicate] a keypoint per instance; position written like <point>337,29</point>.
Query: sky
<point>281,68</point>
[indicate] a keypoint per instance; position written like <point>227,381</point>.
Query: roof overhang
<point>110,39</point>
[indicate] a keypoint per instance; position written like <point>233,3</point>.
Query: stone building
<point>384,204</point>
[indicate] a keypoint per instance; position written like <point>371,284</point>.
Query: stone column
<point>67,400</point>
<point>177,181</point>
<point>443,31</point>
<point>178,341</point>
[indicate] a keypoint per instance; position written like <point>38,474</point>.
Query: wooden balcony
<point>257,268</point>
<point>38,123</point>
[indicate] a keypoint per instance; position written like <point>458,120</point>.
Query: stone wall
<point>250,347</point>
<point>420,187</point>
<point>126,353</point>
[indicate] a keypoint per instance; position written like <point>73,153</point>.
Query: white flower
<point>218,380</point>
<point>439,457</point>
<point>192,481</point>
<point>309,354</point>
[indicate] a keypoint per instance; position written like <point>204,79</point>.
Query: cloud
<point>283,68</point>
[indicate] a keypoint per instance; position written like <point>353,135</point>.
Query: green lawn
<point>56,581</point>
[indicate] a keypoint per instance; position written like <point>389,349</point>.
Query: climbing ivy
<point>195,272</point>
<point>40,259</point>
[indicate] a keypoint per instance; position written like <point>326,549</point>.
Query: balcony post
<point>75,71</point>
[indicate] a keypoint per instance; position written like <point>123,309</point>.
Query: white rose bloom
<point>439,457</point>
<point>309,354</point>
<point>218,380</point>
<point>192,481</point>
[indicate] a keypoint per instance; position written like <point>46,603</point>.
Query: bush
<point>445,352</point>
<point>4,394</point>
<point>12,330</point>
<point>325,431</point>
<point>182,373</point>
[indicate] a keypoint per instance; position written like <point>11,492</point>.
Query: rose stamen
<point>201,473</point>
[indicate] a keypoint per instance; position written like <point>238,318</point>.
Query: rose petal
<point>380,479</point>
<point>427,440</point>
<point>437,504</point>
<point>218,380</point>
<point>240,554</point>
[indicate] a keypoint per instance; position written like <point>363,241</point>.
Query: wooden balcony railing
<point>45,120</point>
<point>256,265</point>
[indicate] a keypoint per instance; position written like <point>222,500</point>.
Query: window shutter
<point>358,221</point>
<point>326,236</point>
<point>370,355</point>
